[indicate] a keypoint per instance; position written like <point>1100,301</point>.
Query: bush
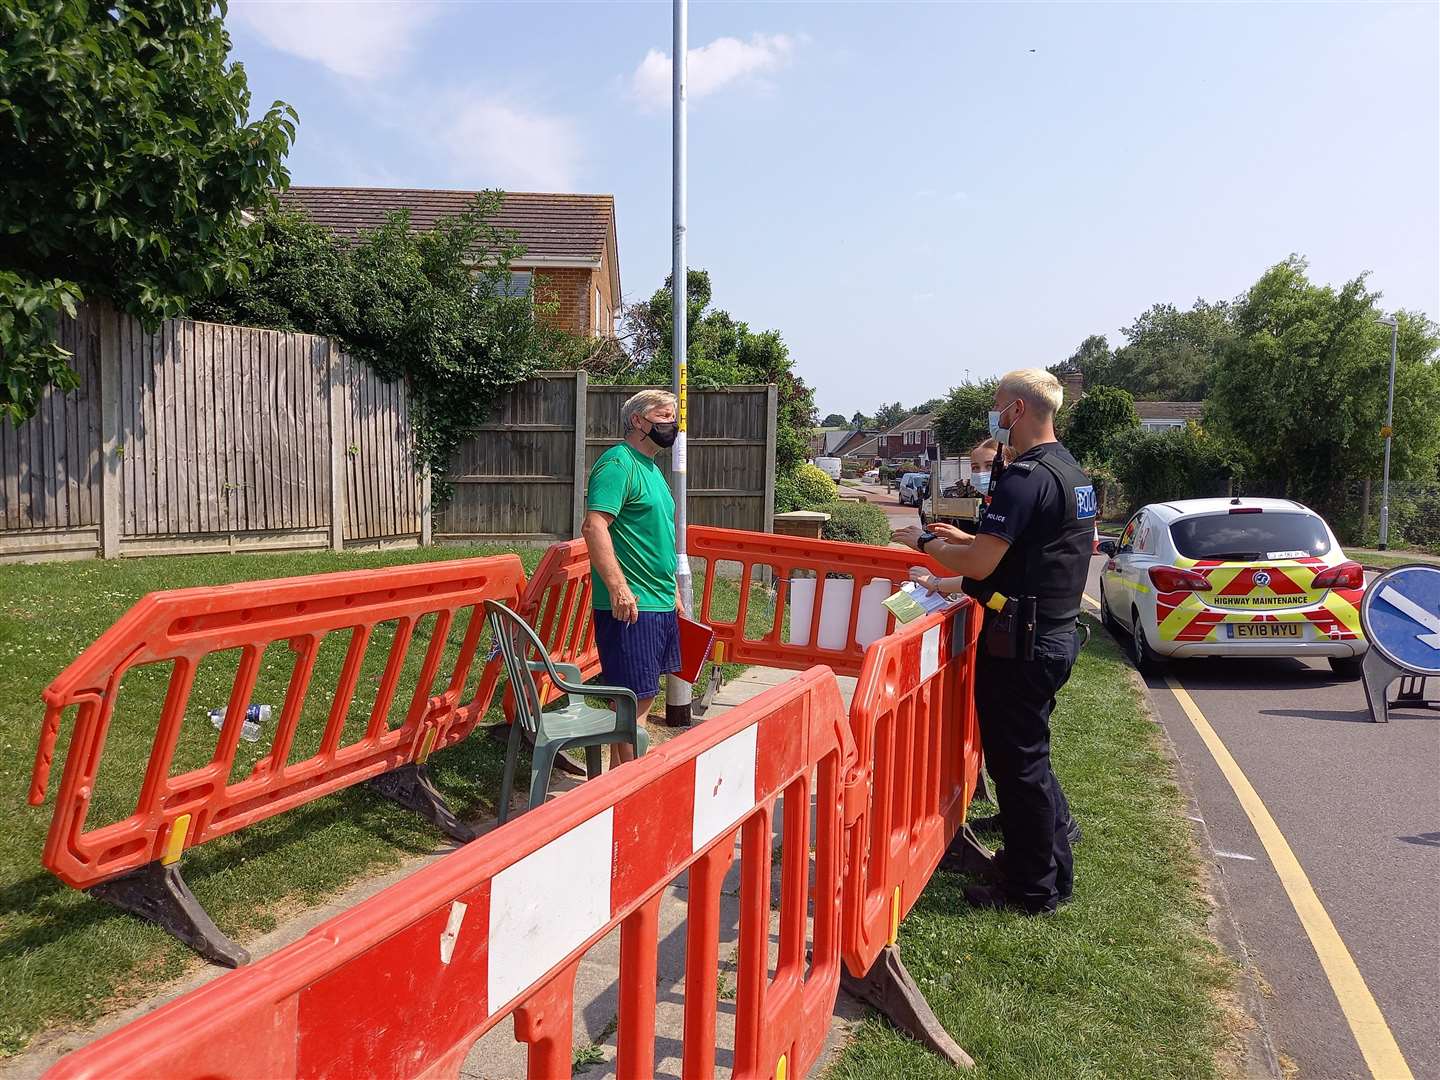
<point>787,493</point>
<point>1158,466</point>
<point>813,485</point>
<point>855,522</point>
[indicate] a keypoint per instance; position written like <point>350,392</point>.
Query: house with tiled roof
<point>571,256</point>
<point>910,439</point>
<point>1164,415</point>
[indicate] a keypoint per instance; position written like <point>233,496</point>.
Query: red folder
<point>696,640</point>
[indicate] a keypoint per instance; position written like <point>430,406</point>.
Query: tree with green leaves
<point>887,416</point>
<point>934,404</point>
<point>963,420</point>
<point>833,420</point>
<point>1299,391</point>
<point>1093,359</point>
<point>431,307</point>
<point>130,162</point>
<point>1168,353</point>
<point>1093,423</point>
<point>721,351</point>
<point>861,422</point>
<point>1180,463</point>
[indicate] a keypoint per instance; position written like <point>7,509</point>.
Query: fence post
<point>110,449</point>
<point>769,508</point>
<point>426,526</point>
<point>338,397</point>
<point>582,425</point>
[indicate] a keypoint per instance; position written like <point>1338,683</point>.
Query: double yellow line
<point>1372,1034</point>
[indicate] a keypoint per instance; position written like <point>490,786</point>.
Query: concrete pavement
<point>1359,804</point>
<point>900,516</point>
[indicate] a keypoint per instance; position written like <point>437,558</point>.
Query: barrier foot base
<point>891,991</point>
<point>159,895</point>
<point>712,690</point>
<point>967,855</point>
<point>410,786</point>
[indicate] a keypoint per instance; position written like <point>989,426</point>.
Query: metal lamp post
<point>1388,431</point>
<point>677,691</point>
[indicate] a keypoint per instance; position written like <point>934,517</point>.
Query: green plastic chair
<point>574,724</point>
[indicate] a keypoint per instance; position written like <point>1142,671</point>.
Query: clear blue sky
<point>907,191</point>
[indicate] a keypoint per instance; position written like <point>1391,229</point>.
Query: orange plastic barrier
<point>404,984</point>
<point>182,627</point>
<point>833,574</point>
<point>918,744</point>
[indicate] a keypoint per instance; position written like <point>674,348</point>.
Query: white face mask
<point>998,433</point>
<point>980,481</point>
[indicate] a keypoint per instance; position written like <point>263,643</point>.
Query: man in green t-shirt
<point>630,530</point>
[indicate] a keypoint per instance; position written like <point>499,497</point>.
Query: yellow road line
<point>1367,1024</point>
<point>1090,600</point>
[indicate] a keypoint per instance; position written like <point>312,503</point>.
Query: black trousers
<point>1013,701</point>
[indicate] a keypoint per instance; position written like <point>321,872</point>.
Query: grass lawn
<point>1387,559</point>
<point>1125,981</point>
<point>65,959</point>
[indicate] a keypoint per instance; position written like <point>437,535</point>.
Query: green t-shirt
<point>629,486</point>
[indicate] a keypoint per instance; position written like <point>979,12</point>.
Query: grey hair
<point>643,402</point>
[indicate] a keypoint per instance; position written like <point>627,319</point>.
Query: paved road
<point>900,516</point>
<point>1359,804</point>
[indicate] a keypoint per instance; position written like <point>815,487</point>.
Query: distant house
<point>571,256</point>
<point>909,439</point>
<point>864,447</point>
<point>1165,415</point>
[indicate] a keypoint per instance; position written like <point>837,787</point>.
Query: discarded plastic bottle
<point>256,716</point>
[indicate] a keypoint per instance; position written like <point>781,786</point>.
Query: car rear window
<point>1269,534</point>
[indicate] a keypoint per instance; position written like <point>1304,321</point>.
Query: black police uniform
<point>1044,505</point>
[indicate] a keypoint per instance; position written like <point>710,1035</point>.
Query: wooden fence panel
<point>731,458</point>
<point>232,438</point>
<point>224,430</point>
<point>515,475</point>
<point>382,473</point>
<point>50,466</point>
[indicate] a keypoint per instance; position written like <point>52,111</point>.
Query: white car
<point>912,488</point>
<point>872,475</point>
<point>1233,577</point>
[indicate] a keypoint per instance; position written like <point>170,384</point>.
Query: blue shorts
<point>635,655</point>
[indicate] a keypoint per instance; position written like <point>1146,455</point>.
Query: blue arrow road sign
<point>1401,616</point>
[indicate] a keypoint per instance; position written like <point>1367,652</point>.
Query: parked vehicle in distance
<point>913,487</point>
<point>871,475</point>
<point>1232,577</point>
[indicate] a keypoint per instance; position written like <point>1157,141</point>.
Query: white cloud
<point>491,143</point>
<point>357,40</point>
<point>712,67</point>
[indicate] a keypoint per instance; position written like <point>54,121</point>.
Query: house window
<point>595,320</point>
<point>518,283</point>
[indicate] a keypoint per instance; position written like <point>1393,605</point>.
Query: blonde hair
<point>1000,450</point>
<point>1036,387</point>
<point>641,403</point>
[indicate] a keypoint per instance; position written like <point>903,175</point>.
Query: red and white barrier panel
<point>404,984</point>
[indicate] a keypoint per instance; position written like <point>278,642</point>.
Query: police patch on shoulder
<point>1023,466</point>
<point>1085,502</point>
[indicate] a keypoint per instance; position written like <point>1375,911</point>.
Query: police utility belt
<point>1010,627</point>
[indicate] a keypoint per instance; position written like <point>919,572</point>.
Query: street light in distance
<point>1388,431</point>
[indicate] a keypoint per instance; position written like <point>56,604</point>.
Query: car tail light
<point>1348,575</point>
<point>1174,579</point>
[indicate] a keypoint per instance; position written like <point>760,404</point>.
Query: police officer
<point>1026,565</point>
